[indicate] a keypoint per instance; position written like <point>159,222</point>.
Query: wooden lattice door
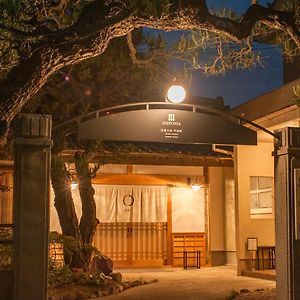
<point>128,244</point>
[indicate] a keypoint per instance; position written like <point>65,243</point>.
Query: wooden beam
<point>129,169</point>
<point>207,200</point>
<point>171,159</point>
<point>169,227</point>
<point>139,179</point>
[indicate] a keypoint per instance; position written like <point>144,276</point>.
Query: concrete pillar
<point>287,205</point>
<point>31,206</point>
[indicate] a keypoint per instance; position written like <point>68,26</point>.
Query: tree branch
<point>133,53</point>
<point>95,28</point>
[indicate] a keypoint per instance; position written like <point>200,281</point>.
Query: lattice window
<point>261,195</point>
<point>56,253</point>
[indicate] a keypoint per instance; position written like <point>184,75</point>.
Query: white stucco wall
<point>229,215</point>
<point>252,161</point>
<point>188,214</point>
<point>222,215</point>
<point>216,204</point>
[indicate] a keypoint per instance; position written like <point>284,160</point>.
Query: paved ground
<point>192,284</point>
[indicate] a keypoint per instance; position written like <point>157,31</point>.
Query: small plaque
<point>252,244</point>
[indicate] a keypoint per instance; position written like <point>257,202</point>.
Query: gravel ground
<point>264,294</point>
<point>215,283</point>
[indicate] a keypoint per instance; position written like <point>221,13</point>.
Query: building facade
<point>149,214</point>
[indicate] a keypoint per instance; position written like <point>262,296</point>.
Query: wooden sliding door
<point>133,244</point>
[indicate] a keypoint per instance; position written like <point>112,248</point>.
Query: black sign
<point>167,126</point>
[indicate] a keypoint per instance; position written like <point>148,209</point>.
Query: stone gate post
<point>31,206</point>
<point>287,207</point>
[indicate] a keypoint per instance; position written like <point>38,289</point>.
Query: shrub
<point>6,248</point>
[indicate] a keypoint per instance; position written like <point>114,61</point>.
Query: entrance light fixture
<point>194,184</point>
<point>196,187</point>
<point>74,185</point>
<point>176,93</point>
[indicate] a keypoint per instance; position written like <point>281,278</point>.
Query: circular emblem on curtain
<point>128,200</point>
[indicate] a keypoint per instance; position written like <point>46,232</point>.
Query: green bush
<point>73,248</point>
<point>59,276</point>
<point>6,248</point>
<point>62,275</point>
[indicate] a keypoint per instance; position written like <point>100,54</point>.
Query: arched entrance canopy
<point>166,123</point>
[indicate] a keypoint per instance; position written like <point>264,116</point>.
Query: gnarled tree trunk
<point>63,200</point>
<point>88,221</point>
<point>84,231</point>
<point>65,208</point>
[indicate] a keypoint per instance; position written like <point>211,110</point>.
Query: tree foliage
<point>91,84</point>
<point>40,37</point>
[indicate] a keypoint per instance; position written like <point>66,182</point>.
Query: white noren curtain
<point>114,204</point>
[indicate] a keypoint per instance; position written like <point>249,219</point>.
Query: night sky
<point>239,86</point>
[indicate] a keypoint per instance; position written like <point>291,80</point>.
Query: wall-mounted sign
<point>251,244</point>
<point>297,202</point>
<point>167,126</point>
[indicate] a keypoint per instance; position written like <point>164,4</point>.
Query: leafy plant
<point>72,247</point>
<point>6,249</point>
<point>6,252</point>
<point>59,275</point>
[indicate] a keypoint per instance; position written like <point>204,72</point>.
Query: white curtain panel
<point>105,209</point>
<point>114,204</point>
<point>154,204</point>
